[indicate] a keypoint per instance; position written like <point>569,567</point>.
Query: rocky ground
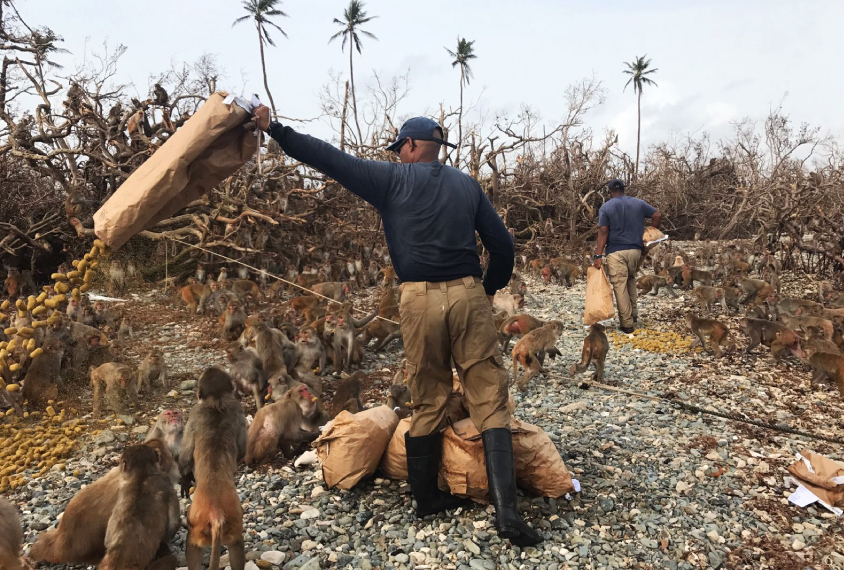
<point>661,488</point>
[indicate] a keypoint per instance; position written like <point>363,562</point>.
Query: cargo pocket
<point>412,370</point>
<point>476,338</point>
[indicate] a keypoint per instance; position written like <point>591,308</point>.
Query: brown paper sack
<point>599,305</point>
<point>351,445</point>
<point>539,467</point>
<point>208,148</point>
<point>651,234</point>
<point>394,462</point>
<point>820,482</point>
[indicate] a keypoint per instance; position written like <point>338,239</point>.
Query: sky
<point>718,61</point>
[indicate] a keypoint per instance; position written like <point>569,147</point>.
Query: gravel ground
<point>661,488</point>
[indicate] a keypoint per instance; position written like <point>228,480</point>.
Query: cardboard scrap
<point>818,477</point>
<point>208,148</point>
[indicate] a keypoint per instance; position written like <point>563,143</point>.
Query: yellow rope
<point>276,277</point>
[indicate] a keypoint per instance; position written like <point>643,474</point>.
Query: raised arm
<point>498,243</point>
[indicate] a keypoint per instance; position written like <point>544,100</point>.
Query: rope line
<point>276,277</point>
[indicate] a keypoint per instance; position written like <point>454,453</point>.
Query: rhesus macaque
<point>117,380</point>
<point>815,340</point>
<point>802,323</point>
<point>531,349</point>
<point>169,428</point>
<point>372,274</point>
<point>74,204</point>
<point>39,384</point>
<point>281,425</point>
<point>755,289</point>
<point>153,366</point>
<point>201,273</point>
<point>305,302</point>
<point>706,296</point>
<point>825,366</point>
<point>80,535</point>
<point>11,537</point>
<point>595,349</point>
<point>246,288</point>
<point>769,275</point>
<point>270,349</point>
<point>104,317</point>
<point>691,275</point>
<point>247,370</point>
<point>135,127</point>
<point>793,305</point>
<point>732,296</point>
<point>399,400</point>
<point>308,280</point>
<point>518,326</point>
<point>159,95</point>
<point>507,302</point>
<point>87,317</point>
<point>214,443</point>
<point>116,283</point>
<point>310,352</point>
<point>232,322</point>
<point>340,329</point>
<point>774,335</point>
<point>386,332</point>
<point>389,276</point>
<point>124,333</point>
<point>223,276</point>
<point>653,283</point>
<point>74,308</point>
<point>19,282</point>
<point>242,273</point>
<point>712,330</point>
<point>146,514</point>
<point>563,270</point>
<point>99,353</point>
<point>535,265</point>
<point>195,295</point>
<point>333,290</point>
<point>347,395</point>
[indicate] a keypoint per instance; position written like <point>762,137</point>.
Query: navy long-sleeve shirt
<point>430,212</point>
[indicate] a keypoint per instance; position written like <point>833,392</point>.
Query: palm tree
<point>353,17</point>
<point>261,11</point>
<point>638,70</point>
<point>464,53</point>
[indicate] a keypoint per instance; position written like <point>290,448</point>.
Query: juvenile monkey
<point>11,537</point>
<point>309,351</point>
<point>341,331</point>
<point>333,290</point>
<point>39,384</point>
<point>706,296</point>
<point>531,349</point>
<point>124,333</point>
<point>214,443</point>
<point>389,276</point>
<point>169,428</point>
<point>116,283</point>
<point>153,366</point>
<point>710,329</point>
<point>195,295</point>
<point>117,380</point>
<point>347,395</point>
<point>564,271</point>
<point>246,288</point>
<point>386,332</point>
<point>802,323</point>
<point>281,425</point>
<point>815,340</point>
<point>507,302</point>
<point>755,289</point>
<point>518,326</point>
<point>248,371</point>
<point>793,305</point>
<point>595,349</point>
<point>399,400</point>
<point>146,514</point>
<point>826,365</point>
<point>774,335</point>
<point>653,283</point>
<point>691,275</point>
<point>232,322</point>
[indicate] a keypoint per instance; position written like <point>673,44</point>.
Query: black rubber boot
<point>423,467</point>
<point>501,473</point>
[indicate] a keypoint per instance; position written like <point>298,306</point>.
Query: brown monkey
<point>74,309</point>
<point>104,317</point>
<point>310,353</point>
<point>692,275</point>
<point>80,535</point>
<point>706,296</point>
<point>372,274</point>
<point>770,275</point>
<point>124,333</point>
<point>653,283</point>
<point>246,288</point>
<point>595,349</point>
<point>73,205</point>
<point>11,537</point>
<point>169,428</point>
<point>389,276</point>
<point>826,366</point>
<point>732,296</point>
<point>195,295</point>
<point>347,395</point>
<point>146,514</point>
<point>117,380</point>
<point>247,370</point>
<point>270,346</point>
<point>755,289</point>
<point>518,326</point>
<point>116,282</point>
<point>564,271</point>
<point>802,323</point>
<point>232,322</point>
<point>531,349</point>
<point>304,302</point>
<point>159,95</point>
<point>507,302</point>
<point>340,330</point>
<point>775,335</point>
<point>19,283</point>
<point>793,305</point>
<point>280,425</point>
<point>385,331</point>
<point>153,366</point>
<point>333,290</point>
<point>710,329</point>
<point>214,442</point>
<point>39,384</point>
<point>535,265</point>
<point>816,341</point>
<point>399,400</point>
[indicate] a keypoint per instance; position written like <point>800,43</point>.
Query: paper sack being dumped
<point>209,147</point>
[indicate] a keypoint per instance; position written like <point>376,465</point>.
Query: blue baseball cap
<point>616,185</point>
<point>419,129</point>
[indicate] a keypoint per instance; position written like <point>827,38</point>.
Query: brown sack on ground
<point>351,445</point>
<point>208,148</point>
<point>539,467</point>
<point>394,462</point>
<point>820,482</point>
<point>599,304</point>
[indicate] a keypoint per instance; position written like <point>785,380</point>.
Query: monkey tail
<point>216,535</point>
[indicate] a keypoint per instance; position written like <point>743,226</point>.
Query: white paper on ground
<point>95,297</point>
<point>307,458</point>
<point>802,497</point>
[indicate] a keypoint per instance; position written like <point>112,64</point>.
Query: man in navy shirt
<point>621,223</point>
<point>431,213</point>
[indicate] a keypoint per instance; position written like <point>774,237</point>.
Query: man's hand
<point>262,117</point>
<point>598,263</point>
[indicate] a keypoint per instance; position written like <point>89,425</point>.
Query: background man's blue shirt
<point>625,217</point>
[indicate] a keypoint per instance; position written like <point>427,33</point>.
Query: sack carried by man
<point>599,305</point>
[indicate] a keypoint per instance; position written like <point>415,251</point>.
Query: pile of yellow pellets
<point>662,342</point>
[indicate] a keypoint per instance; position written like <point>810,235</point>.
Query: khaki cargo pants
<point>445,321</point>
<point>622,266</point>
